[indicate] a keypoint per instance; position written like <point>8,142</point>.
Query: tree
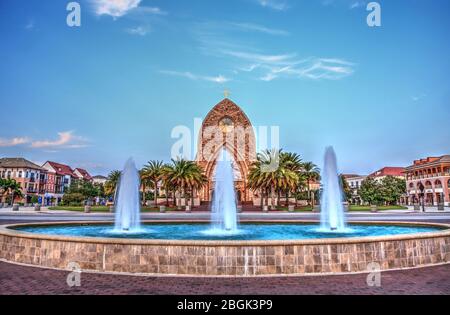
<point>11,187</point>
<point>311,173</point>
<point>370,191</point>
<point>184,176</point>
<point>346,190</point>
<point>276,171</point>
<point>151,174</point>
<point>79,191</point>
<point>112,183</point>
<point>392,188</point>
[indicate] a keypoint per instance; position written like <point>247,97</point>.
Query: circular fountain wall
<point>430,244</point>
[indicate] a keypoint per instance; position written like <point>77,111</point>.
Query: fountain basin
<point>228,257</point>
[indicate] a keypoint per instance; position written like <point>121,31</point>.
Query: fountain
<point>224,210</point>
<point>332,217</point>
<point>127,200</point>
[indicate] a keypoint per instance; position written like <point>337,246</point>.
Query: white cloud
<point>287,65</point>
<point>118,8</point>
<point>274,4</point>
<point>13,141</point>
<point>139,30</point>
<point>261,58</point>
<point>114,8</point>
<point>269,77</point>
<point>66,139</point>
<point>150,10</point>
<point>188,75</point>
<point>357,4</point>
<point>260,28</point>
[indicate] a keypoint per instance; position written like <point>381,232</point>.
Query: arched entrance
<point>226,127</point>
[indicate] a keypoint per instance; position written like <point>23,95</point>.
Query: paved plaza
<point>19,279</point>
<point>16,279</point>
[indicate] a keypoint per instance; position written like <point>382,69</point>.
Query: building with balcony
<point>31,177</point>
<point>430,177</point>
<point>354,182</point>
<point>99,179</point>
<point>60,177</point>
<point>82,174</point>
<point>379,175</point>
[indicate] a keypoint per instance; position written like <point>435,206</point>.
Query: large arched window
<point>428,185</point>
<point>437,184</point>
<point>448,184</point>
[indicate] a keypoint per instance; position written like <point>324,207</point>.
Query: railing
<point>428,176</point>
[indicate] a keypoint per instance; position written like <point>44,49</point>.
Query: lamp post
<point>422,195</point>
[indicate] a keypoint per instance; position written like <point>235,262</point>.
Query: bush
<point>73,199</point>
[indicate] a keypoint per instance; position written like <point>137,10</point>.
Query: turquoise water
<point>245,231</point>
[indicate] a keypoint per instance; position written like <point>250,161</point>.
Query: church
<point>227,127</point>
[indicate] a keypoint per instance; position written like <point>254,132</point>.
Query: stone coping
<point>8,230</point>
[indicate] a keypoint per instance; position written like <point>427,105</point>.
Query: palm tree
<point>151,174</point>
<point>184,176</point>
<point>112,183</point>
<point>290,167</point>
<point>12,187</point>
<point>311,173</point>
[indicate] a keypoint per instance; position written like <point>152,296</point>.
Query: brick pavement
<point>16,279</point>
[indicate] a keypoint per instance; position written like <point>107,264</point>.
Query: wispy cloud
<point>12,142</point>
<point>417,98</point>
<point>119,8</point>
<point>188,75</point>
<point>138,30</point>
<point>30,25</point>
<point>357,4</point>
<point>277,5</point>
<point>66,139</point>
<point>273,66</point>
<point>248,61</point>
<point>350,4</point>
<point>259,28</point>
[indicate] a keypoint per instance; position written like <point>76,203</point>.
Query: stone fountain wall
<point>199,258</point>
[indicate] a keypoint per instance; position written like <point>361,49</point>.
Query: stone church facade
<point>227,127</point>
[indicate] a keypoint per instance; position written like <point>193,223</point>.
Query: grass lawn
<point>104,209</point>
<point>380,208</point>
<point>352,208</point>
<point>298,209</point>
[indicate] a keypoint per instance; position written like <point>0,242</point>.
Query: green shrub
<point>73,199</point>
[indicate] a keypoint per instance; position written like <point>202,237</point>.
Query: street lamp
<point>422,195</point>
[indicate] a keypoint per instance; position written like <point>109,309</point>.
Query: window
<point>448,184</point>
<point>20,174</point>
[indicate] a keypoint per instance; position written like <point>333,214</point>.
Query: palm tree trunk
<point>143,194</point>
<point>287,198</point>
<point>192,197</point>
<point>309,192</point>
<point>156,194</point>
<point>262,198</point>
<point>167,197</point>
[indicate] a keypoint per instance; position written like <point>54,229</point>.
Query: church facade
<point>227,127</point>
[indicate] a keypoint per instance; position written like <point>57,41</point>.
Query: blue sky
<point>116,86</point>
